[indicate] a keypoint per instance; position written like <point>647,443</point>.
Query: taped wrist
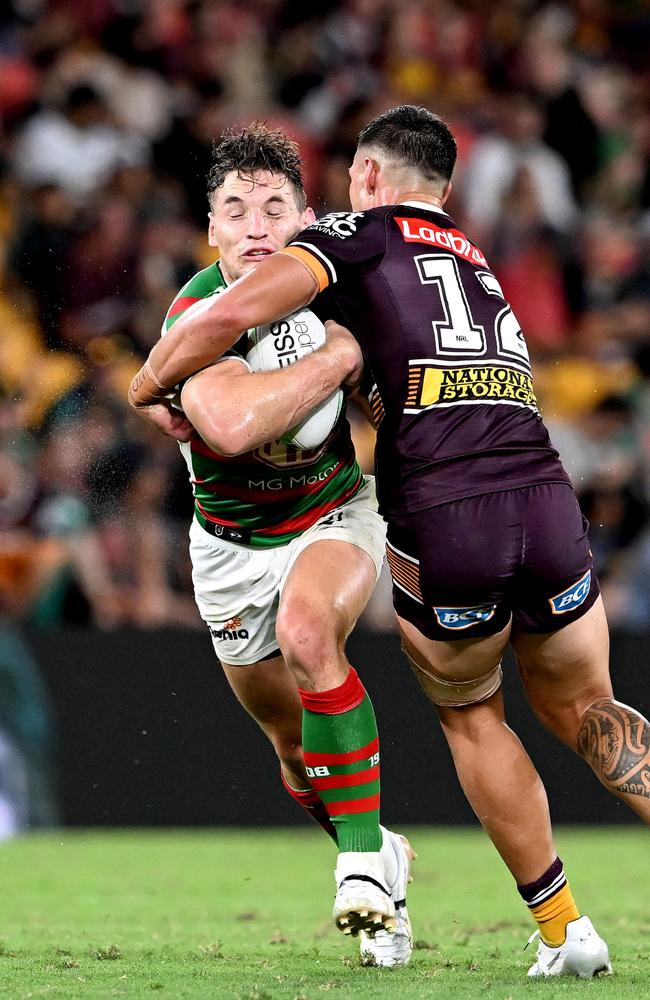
<point>145,388</point>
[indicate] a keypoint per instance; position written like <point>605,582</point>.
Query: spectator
<point>40,256</point>
<point>76,148</point>
<point>497,158</point>
<point>102,213</point>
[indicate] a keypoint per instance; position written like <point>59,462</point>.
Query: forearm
<point>207,329</point>
<point>202,334</point>
<point>237,413</point>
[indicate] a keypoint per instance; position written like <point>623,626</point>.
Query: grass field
<point>245,914</point>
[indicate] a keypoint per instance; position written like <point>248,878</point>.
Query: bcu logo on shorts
<point>231,630</point>
<point>464,617</point>
<point>573,597</point>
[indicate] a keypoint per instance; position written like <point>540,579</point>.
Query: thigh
<point>237,592</point>
<point>358,523</point>
<point>566,670</point>
<point>463,659</point>
<point>453,566</point>
<point>334,566</point>
<point>330,582</point>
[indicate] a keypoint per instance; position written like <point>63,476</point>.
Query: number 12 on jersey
<point>458,333</point>
<point>492,363</point>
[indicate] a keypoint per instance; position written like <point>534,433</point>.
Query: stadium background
<point>112,710</point>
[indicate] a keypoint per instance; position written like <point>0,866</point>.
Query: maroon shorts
<point>461,569</point>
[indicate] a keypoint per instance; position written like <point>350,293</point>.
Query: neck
<point>227,277</point>
<point>427,196</point>
<point>394,195</point>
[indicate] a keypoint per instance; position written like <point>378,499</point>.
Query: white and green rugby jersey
<point>274,493</point>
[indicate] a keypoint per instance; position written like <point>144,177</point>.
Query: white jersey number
<point>458,333</point>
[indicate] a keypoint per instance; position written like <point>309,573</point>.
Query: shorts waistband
<point>240,536</point>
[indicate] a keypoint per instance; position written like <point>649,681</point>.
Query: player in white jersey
<point>282,574</point>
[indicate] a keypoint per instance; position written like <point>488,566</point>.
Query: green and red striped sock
<point>341,748</point>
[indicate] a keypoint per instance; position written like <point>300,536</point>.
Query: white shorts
<point>237,588</point>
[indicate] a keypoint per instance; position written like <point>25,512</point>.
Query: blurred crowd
<point>108,111</point>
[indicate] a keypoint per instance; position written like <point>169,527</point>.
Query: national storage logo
<point>468,384</point>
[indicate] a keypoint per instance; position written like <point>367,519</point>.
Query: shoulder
<point>208,281</point>
<point>205,282</point>
<point>340,239</point>
<point>342,225</point>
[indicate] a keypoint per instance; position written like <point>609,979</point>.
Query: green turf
<point>214,914</point>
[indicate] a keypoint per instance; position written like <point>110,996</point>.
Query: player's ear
<point>307,218</point>
<point>370,172</point>
<point>212,239</point>
<point>446,192</point>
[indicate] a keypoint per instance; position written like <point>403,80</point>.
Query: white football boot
<point>363,901</point>
<point>392,948</point>
<point>583,954</point>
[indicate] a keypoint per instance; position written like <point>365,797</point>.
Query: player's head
<point>256,194</point>
<point>405,151</point>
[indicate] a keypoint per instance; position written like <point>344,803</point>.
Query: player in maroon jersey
<point>486,541</point>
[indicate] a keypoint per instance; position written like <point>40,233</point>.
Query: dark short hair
<point>257,148</point>
<point>415,137</point>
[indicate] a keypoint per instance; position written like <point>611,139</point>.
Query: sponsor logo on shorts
<point>464,617</point>
<point>573,597</point>
<point>231,630</point>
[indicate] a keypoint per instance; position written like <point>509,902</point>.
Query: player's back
<point>454,394</point>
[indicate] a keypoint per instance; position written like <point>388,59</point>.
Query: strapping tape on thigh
<point>455,694</point>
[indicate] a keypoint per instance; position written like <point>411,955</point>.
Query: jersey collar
<point>219,268</point>
<point>426,205</point>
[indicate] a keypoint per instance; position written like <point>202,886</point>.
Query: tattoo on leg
<point>615,742</point>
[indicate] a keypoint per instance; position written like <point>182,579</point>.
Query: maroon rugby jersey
<point>454,394</point>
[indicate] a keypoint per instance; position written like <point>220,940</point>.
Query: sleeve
<point>203,285</point>
<point>339,244</point>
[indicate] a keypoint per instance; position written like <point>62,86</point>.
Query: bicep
<point>208,392</point>
<point>273,288</point>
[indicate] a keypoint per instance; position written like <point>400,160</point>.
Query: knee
<point>566,720</point>
<point>562,719</point>
<point>475,725</point>
<point>307,636</point>
<point>288,747</point>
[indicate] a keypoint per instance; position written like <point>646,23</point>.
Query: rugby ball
<point>280,344</point>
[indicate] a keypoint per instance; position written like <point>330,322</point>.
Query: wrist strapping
<point>145,388</point>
